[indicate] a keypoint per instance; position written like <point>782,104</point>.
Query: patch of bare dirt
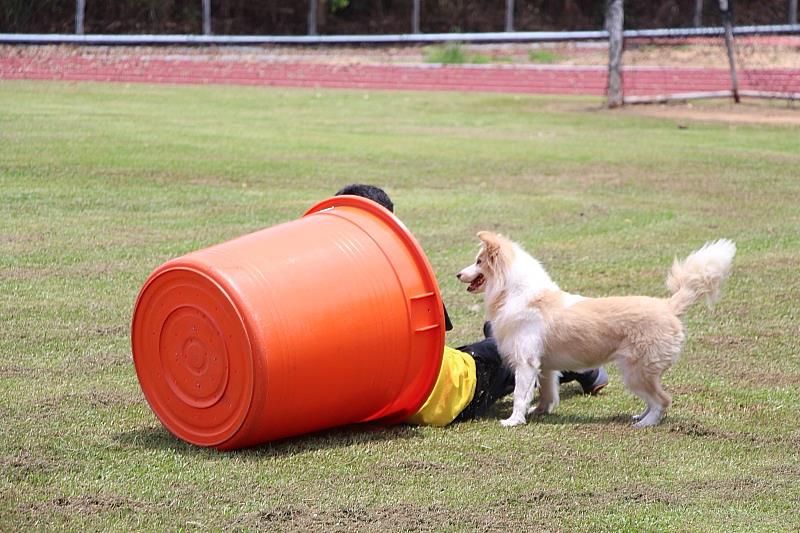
<point>94,399</point>
<point>88,364</point>
<point>18,273</point>
<point>739,489</point>
<point>691,429</point>
<point>415,465</point>
<point>743,113</point>
<point>104,330</point>
<point>25,464</point>
<point>750,53</point>
<point>400,517</point>
<point>539,510</point>
<point>552,503</point>
<point>771,379</point>
<point>86,504</point>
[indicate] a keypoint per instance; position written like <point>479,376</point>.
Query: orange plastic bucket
<point>328,320</point>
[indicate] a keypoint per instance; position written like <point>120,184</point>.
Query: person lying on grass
<point>473,377</point>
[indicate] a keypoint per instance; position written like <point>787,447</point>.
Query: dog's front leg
<point>525,377</point>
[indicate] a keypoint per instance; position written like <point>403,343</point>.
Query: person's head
<point>370,192</point>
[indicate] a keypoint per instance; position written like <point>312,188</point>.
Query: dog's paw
<point>512,421</point>
<point>653,418</point>
<point>644,423</point>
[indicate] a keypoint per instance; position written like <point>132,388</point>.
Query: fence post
<point>312,17</point>
<point>206,17</point>
<point>792,11</point>
<point>697,20</point>
<point>727,21</point>
<point>614,24</point>
<point>415,17</point>
<point>80,11</point>
<point>509,15</point>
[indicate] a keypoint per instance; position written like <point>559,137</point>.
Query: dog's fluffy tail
<point>700,275</point>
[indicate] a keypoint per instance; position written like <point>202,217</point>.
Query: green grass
<point>543,56</point>
<point>455,54</point>
<point>99,184</point>
<point>448,54</point>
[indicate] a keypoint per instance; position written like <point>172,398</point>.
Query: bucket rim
<point>421,260</point>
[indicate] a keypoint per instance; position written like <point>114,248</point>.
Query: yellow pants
<point>453,391</point>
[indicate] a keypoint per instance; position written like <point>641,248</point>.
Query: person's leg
<point>591,381</point>
<point>493,379</point>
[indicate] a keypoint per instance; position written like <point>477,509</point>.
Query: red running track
<point>532,79</point>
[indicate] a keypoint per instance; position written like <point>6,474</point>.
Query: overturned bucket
<point>328,320</point>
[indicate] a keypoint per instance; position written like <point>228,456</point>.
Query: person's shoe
<point>593,381</point>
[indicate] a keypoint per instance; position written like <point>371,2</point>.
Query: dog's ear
<point>498,250</point>
<point>491,241</point>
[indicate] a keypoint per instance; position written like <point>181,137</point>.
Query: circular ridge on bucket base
<point>193,356</point>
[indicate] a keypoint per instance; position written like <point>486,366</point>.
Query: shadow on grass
<point>158,438</point>
<point>557,419</point>
<point>672,422</point>
<point>502,409</point>
<point>622,419</point>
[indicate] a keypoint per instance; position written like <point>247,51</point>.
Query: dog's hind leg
<point>548,393</point>
<point>525,376</point>
<point>658,402</point>
<point>646,384</point>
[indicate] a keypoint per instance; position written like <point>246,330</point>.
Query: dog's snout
<point>458,275</point>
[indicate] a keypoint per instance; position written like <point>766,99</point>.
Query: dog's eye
<point>479,261</point>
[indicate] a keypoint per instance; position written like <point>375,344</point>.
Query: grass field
<point>99,184</point>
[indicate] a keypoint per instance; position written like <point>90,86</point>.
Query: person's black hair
<point>370,192</point>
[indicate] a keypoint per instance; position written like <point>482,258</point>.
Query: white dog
<point>541,329</point>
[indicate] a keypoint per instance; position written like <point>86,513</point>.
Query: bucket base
<point>193,356</point>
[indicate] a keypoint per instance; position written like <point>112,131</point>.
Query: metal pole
<point>206,17</point>
<point>614,24</point>
<point>486,37</point>
<point>415,17</point>
<point>727,21</point>
<point>80,10</point>
<point>312,17</point>
<point>792,11</point>
<point>697,20</point>
<point>509,15</point>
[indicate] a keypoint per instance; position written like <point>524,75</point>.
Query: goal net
<point>661,69</point>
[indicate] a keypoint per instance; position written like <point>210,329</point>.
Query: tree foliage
<point>289,17</point>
